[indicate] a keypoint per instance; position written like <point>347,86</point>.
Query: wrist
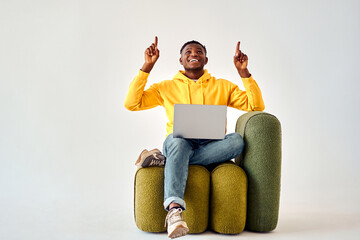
<point>147,67</point>
<point>244,73</point>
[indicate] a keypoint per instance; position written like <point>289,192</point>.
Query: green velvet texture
<point>228,199</point>
<point>259,208</point>
<point>149,193</point>
<point>149,196</point>
<point>197,199</point>
<point>261,161</point>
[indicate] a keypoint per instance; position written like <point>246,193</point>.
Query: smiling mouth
<point>193,60</point>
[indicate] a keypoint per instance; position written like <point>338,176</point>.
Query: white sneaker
<point>176,227</point>
<point>150,158</point>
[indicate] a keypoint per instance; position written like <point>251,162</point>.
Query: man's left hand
<point>241,62</point>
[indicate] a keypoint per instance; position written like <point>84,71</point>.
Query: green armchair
<point>228,198</point>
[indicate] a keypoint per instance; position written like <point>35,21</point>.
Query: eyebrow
<point>191,48</point>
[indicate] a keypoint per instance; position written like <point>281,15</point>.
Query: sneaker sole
<point>138,161</point>
<point>178,230</point>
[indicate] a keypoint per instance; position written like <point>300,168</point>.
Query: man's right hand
<point>152,54</point>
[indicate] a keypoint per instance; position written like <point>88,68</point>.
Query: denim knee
<point>174,145</point>
<point>237,142</point>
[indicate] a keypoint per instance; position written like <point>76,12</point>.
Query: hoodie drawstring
<point>202,93</point>
<point>188,88</point>
<point>182,78</point>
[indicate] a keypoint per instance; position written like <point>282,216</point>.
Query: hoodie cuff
<point>143,75</point>
<point>249,79</point>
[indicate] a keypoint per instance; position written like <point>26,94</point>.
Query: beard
<point>194,69</point>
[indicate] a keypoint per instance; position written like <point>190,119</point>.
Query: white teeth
<point>193,60</point>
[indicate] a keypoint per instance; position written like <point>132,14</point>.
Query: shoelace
<point>175,212</point>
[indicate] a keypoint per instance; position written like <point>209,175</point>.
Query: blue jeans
<point>180,153</point>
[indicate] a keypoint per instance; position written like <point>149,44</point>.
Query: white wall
<point>67,144</point>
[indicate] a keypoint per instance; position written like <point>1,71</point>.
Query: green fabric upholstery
<point>197,199</point>
<point>228,199</point>
<point>148,198</point>
<point>149,193</point>
<point>237,199</point>
<point>261,161</point>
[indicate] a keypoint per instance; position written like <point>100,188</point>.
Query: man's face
<point>193,57</point>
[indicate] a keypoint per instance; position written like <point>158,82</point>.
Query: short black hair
<point>190,42</point>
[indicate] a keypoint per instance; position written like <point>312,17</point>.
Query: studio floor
<point>292,225</point>
<point>118,224</point>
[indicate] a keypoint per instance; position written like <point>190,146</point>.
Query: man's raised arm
<point>250,99</point>
<point>152,54</point>
<point>137,98</point>
<point>241,62</point>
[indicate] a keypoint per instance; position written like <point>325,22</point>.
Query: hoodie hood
<point>180,76</point>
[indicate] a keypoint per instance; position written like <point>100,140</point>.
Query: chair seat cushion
<point>228,199</point>
<point>149,196</point>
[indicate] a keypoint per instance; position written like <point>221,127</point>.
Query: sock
<point>174,208</point>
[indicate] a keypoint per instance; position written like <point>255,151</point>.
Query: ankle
<point>174,205</point>
<point>175,208</point>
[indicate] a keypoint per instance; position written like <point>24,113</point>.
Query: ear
<point>206,60</point>
<point>180,60</point>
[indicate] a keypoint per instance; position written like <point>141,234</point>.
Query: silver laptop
<point>199,121</point>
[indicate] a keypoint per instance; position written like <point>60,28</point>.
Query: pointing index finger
<point>156,41</point>
<point>237,51</point>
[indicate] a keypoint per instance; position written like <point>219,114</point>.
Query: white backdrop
<point>68,145</point>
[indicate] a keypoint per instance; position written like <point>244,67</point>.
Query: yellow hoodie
<point>206,90</point>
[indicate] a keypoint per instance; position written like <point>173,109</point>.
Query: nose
<point>194,53</point>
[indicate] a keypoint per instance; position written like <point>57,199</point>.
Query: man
<point>192,86</point>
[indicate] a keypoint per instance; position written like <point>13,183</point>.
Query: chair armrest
<point>261,161</point>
